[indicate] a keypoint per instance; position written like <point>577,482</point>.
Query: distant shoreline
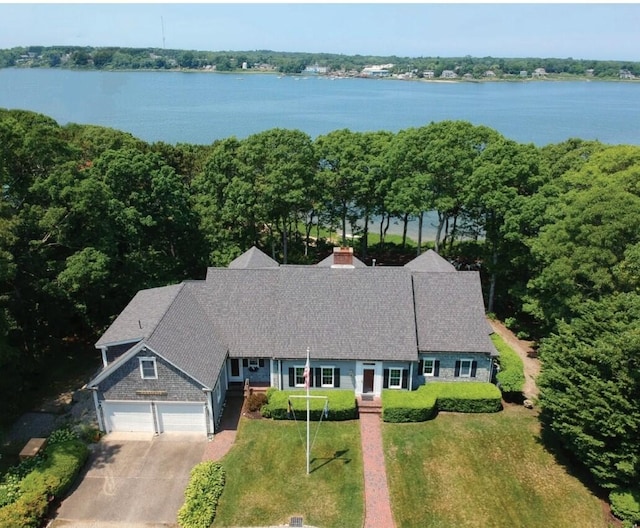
<point>334,76</point>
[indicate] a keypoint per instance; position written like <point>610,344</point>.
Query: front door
<point>235,369</point>
<point>367,380</point>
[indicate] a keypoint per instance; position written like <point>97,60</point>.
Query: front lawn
<point>267,482</point>
<point>488,470</point>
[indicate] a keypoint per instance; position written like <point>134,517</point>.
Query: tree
<point>282,163</point>
<point>590,388</point>
<point>587,231</point>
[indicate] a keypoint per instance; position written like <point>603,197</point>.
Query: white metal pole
<point>308,411</point>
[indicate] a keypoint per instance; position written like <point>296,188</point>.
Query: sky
<point>577,30</point>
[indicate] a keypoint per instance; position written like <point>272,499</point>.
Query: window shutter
<point>318,377</point>
<point>261,362</point>
<point>292,377</point>
<point>421,367</point>
<point>457,371</point>
<point>436,368</point>
<point>474,368</point>
<point>245,362</point>
<point>385,379</point>
<point>336,377</point>
<point>405,379</point>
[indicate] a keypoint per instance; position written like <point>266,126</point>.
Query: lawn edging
<point>425,402</point>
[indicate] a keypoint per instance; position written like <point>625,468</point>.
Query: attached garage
<point>181,417</point>
<point>131,417</point>
<point>142,417</point>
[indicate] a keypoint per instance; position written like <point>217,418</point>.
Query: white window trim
<point>253,362</point>
<point>333,377</point>
<point>399,385</point>
<point>433,367</point>
<point>141,360</point>
<point>295,374</point>
<point>470,364</point>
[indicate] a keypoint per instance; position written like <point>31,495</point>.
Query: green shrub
<point>342,405</point>
<point>201,496</point>
<point>511,375</point>
<point>10,485</point>
<point>422,404</point>
<point>401,406</point>
<point>48,480</point>
<point>463,396</point>
<point>61,435</point>
<point>625,504</point>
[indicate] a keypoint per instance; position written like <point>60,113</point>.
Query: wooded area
<point>116,58</point>
<point>91,215</point>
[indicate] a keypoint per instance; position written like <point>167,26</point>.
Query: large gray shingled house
<point>171,355</point>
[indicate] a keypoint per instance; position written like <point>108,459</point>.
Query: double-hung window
<point>395,378</point>
<point>429,367</point>
<point>299,376</point>
<point>327,377</point>
<point>148,368</point>
<point>465,368</point>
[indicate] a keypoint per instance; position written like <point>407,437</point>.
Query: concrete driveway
<point>133,480</point>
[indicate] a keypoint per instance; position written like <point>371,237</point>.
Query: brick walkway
<point>377,503</point>
<point>223,440</point>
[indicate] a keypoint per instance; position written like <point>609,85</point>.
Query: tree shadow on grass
<point>338,455</point>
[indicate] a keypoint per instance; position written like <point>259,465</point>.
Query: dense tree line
<point>116,58</point>
<point>90,215</point>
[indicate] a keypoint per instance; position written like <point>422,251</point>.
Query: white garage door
<point>128,417</point>
<point>181,417</point>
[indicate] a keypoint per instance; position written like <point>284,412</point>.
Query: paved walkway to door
<point>377,502</point>
<point>223,440</point>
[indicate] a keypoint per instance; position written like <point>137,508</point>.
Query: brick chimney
<point>343,257</point>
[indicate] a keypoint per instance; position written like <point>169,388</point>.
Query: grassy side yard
<point>486,470</point>
<point>267,481</point>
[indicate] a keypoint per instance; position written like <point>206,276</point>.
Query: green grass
<point>488,470</point>
<point>267,481</point>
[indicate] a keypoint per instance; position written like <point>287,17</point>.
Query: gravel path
<point>525,351</point>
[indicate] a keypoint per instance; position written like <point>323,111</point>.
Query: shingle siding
<point>447,365</point>
<point>125,382</point>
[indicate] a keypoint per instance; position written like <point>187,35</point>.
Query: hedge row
<point>49,480</point>
<point>511,375</point>
<point>625,504</point>
<point>342,405</point>
<point>201,496</point>
<point>422,404</point>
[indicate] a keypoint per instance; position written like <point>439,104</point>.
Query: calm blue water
<point>200,108</point>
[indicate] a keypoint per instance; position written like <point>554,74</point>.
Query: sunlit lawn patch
<point>267,481</point>
<point>486,470</point>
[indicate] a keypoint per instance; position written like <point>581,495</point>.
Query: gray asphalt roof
<point>253,258</point>
<point>361,313</point>
<point>186,337</point>
<point>140,317</point>
<point>450,314</point>
<point>430,261</point>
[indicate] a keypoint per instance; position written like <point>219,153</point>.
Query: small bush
<point>342,405</point>
<point>625,504</point>
<point>511,375</point>
<point>256,400</point>
<point>401,406</point>
<point>201,496</point>
<point>10,485</point>
<point>62,435</point>
<point>48,480</point>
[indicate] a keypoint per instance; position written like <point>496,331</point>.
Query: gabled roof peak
<point>253,258</point>
<point>430,261</point>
